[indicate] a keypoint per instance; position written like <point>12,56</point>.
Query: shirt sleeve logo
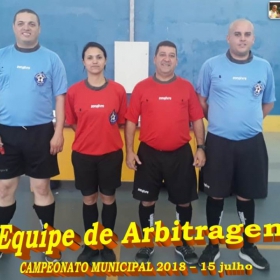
<point>40,78</point>
<point>113,117</point>
<point>258,88</point>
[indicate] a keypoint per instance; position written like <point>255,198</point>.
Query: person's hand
<point>199,158</point>
<point>131,160</point>
<point>56,143</point>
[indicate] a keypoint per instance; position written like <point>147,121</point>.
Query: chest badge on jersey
<point>113,117</point>
<point>40,78</point>
<point>258,88</point>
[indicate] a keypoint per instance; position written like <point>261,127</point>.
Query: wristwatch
<point>203,147</point>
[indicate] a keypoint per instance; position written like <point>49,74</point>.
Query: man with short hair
<point>167,104</point>
<point>236,91</point>
<point>30,77</point>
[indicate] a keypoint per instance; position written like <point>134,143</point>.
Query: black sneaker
<point>210,254</point>
<point>143,255</point>
<point>50,259</point>
<point>107,255</point>
<point>87,255</point>
<point>253,256</point>
<point>187,253</point>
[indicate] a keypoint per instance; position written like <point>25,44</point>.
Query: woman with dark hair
<point>95,108</point>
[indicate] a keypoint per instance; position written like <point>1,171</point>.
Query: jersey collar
<point>164,82</point>
<point>249,59</point>
<point>27,50</point>
<point>96,88</point>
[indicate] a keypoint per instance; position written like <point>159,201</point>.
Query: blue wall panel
<point>199,29</point>
<point>67,25</point>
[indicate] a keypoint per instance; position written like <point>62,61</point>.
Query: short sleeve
<point>123,106</point>
<point>269,91</point>
<point>134,108</point>
<point>59,82</point>
<point>70,115</point>
<point>204,80</point>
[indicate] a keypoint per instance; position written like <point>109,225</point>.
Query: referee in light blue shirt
<point>236,91</point>
<point>30,77</point>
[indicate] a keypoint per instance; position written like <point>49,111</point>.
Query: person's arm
<point>59,89</point>
<point>123,108</point>
<point>203,86</point>
<point>70,116</point>
<point>199,132</point>
<point>266,108</point>
<point>204,105</point>
<point>268,97</point>
<point>56,144</point>
<point>131,157</point>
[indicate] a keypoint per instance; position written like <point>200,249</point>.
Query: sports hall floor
<point>69,209</point>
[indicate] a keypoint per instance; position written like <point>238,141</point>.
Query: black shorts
<point>27,151</point>
<point>239,167</point>
<point>102,171</point>
<point>175,168</point>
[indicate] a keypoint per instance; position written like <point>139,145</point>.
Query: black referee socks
<point>184,214</point>
<point>246,214</point>
<point>108,215</point>
<point>90,215</point>
<point>146,215</point>
<point>214,211</point>
<point>45,214</point>
<point>7,213</point>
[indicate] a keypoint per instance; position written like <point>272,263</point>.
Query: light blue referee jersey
<point>236,92</point>
<point>29,81</point>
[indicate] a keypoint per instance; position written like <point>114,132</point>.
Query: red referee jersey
<point>97,114</point>
<point>166,110</point>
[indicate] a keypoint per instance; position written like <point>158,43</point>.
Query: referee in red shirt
<point>95,107</point>
<point>166,104</point>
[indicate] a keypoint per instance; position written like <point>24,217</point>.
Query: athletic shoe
<point>1,254</point>
<point>253,256</point>
<point>107,255</point>
<point>210,254</point>
<point>143,255</point>
<point>50,259</point>
<point>187,253</point>
<point>87,255</point>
